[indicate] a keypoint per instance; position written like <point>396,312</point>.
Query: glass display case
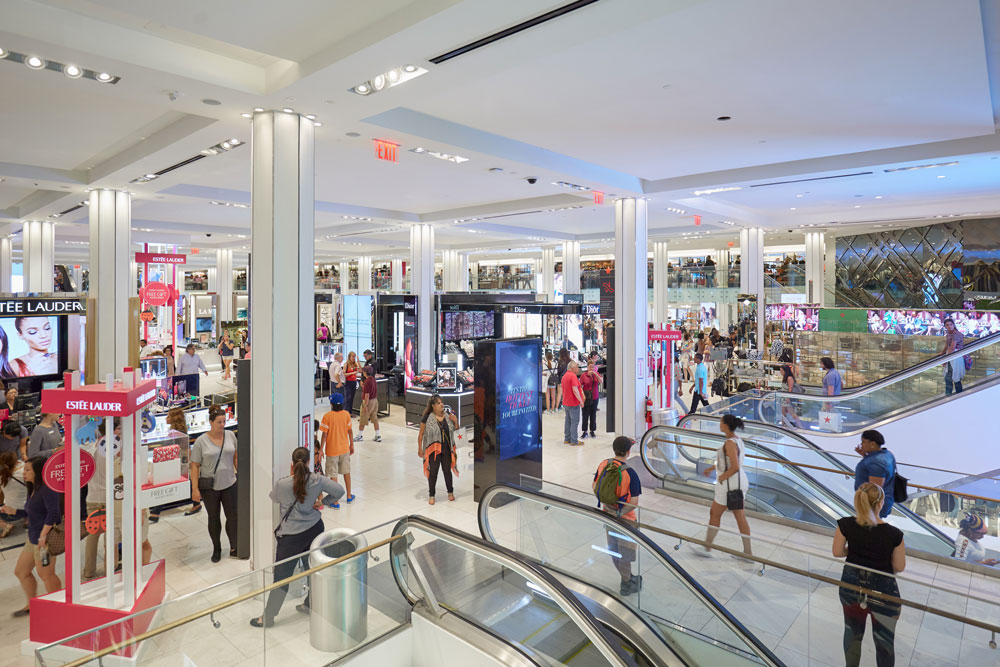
<point>166,456</point>
<point>861,358</point>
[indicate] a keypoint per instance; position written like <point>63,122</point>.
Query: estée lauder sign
<point>43,307</point>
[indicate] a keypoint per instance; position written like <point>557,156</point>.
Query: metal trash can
<point>338,618</point>
<point>666,417</point>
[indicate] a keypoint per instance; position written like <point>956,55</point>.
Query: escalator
<point>578,544</point>
<point>476,588</point>
<point>919,389</point>
<point>811,492</point>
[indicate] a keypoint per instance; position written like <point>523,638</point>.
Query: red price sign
<point>54,471</point>
<point>156,294</point>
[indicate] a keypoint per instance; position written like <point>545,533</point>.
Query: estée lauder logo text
<point>93,405</point>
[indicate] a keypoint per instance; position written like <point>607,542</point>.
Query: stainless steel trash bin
<point>666,417</point>
<point>338,595</point>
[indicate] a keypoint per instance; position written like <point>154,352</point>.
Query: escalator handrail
<point>889,380</point>
<point>844,507</point>
<point>723,614</point>
<point>836,463</point>
<point>513,561</point>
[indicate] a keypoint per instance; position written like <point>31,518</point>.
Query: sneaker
<point>637,582</point>
<point>701,551</point>
<point>578,444</point>
<point>378,438</point>
<point>628,587</point>
<point>583,435</point>
<point>565,442</point>
<point>359,438</point>
<point>350,499</point>
<point>593,435</point>
<point>335,506</point>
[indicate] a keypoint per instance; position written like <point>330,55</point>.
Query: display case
<point>861,358</point>
<point>166,458</point>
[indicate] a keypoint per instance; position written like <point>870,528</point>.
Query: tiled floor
<point>801,620</point>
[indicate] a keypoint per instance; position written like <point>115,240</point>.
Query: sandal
<point>451,496</point>
<point>6,531</point>
<point>430,501</point>
<point>259,622</point>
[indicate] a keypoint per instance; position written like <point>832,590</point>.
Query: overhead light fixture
<point>311,116</point>
<point>942,176</point>
<point>922,166</point>
<point>317,124</point>
<point>34,62</point>
<point>3,52</point>
<point>72,71</point>
<point>356,217</point>
<point>457,159</point>
<point>712,191</point>
<point>678,211</point>
<point>288,110</point>
<point>247,115</point>
<point>388,79</point>
<point>104,77</point>
<point>230,204</point>
<point>258,109</point>
<point>878,196</point>
<point>572,186</point>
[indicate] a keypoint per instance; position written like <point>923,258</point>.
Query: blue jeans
<point>572,423</point>
<point>949,385</point>
<point>884,616</point>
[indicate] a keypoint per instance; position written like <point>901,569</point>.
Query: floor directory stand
<point>81,606</point>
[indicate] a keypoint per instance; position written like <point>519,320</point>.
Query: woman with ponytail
<point>300,497</point>
<point>875,552</point>
<point>731,485</point>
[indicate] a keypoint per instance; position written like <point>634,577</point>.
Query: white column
<point>721,259</point>
<point>752,271</point>
<point>631,297</point>
<point>364,274</point>
<point>111,280</point>
<point>815,251</point>
<point>449,270</point>
<point>422,285</point>
<point>283,236</point>
<point>76,273</point>
<point>224,285</point>
<point>397,275</point>
<point>37,249</point>
<point>212,284</point>
<point>6,268</point>
<point>344,271</point>
<point>829,297</point>
<point>545,279</point>
<point>462,276</point>
<point>474,277</point>
<point>571,267</point>
<point>660,299</point>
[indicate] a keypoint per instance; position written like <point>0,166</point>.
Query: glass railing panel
<point>484,591</point>
<point>602,555</point>
<point>225,637</point>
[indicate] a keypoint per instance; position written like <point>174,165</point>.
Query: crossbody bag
<point>734,497</point>
<point>209,482</point>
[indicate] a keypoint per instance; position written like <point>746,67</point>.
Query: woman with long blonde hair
<point>352,373</point>
<point>875,552</point>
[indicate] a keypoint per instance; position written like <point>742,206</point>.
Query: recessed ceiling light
<point>800,195</point>
<point>234,142</point>
<point>311,116</point>
<point>409,68</point>
<point>288,110</point>
<point>942,176</point>
<point>258,109</point>
<point>34,62</point>
<point>857,206</point>
<point>3,52</point>
<point>388,79</point>
<point>712,191</point>
<point>72,71</point>
<point>878,196</point>
<point>317,124</point>
<point>150,176</point>
<point>922,166</point>
<point>247,115</point>
<point>362,89</point>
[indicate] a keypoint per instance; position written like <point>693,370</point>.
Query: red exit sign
<point>386,150</point>
<point>598,197</point>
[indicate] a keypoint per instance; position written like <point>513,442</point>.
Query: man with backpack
<point>616,486</point>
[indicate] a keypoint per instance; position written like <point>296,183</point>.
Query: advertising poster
<point>30,346</point>
<point>409,339</point>
<point>518,397</point>
<point>358,323</point>
<point>608,296</point>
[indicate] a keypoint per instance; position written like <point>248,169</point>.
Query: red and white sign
<point>97,400</point>
<point>598,197</point>
<point>54,471</point>
<point>159,258</point>
<point>664,334</point>
<point>156,294</point>
<point>697,220</point>
<point>386,150</point>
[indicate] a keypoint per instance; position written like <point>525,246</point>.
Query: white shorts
<point>722,489</point>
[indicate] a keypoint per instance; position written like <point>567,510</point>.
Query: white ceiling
<point>620,96</point>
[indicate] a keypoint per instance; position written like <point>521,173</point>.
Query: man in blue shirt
<point>700,387</point>
<point>877,465</point>
<point>832,382</point>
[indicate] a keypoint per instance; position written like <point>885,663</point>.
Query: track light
<point>72,71</point>
<point>34,62</point>
<point>104,77</point>
<point>388,79</point>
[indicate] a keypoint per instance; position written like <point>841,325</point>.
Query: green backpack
<point>608,484</point>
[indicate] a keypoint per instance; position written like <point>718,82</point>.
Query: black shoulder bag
<point>734,498</point>
<point>209,482</point>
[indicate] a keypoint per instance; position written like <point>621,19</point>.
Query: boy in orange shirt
<point>335,435</point>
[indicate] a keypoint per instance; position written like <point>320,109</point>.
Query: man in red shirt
<point>369,404</point>
<point>591,384</point>
<point>572,399</point>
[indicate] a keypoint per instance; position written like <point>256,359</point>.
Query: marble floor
<point>797,618</point>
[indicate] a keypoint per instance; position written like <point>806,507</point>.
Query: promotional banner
<point>608,296</point>
<point>409,339</point>
<point>519,395</point>
<point>30,346</point>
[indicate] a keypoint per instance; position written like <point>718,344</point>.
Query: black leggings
<point>214,502</point>
<point>288,546</point>
<point>589,415</point>
<point>442,461</point>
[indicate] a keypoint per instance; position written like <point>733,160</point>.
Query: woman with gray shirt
<point>213,465</point>
<point>300,497</point>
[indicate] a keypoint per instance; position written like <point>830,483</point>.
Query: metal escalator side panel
<point>538,577</point>
<point>754,646</point>
<point>483,639</point>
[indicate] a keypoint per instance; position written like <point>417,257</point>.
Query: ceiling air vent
<point>817,178</point>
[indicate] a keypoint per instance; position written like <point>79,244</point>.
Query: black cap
<point>621,445</point>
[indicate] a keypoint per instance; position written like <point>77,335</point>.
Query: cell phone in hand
<point>447,409</point>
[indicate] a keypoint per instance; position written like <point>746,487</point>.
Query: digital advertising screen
<point>409,339</point>
<point>153,368</point>
<point>463,325</point>
<point>974,324</point>
<point>178,390</point>
<point>30,346</point>
<point>358,323</point>
<point>518,396</point>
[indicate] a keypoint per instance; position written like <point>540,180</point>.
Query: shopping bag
<point>829,421</point>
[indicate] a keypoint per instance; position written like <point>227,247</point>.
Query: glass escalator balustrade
<point>811,492</point>
<point>605,556</point>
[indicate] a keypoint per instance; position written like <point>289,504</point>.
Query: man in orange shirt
<point>335,435</point>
